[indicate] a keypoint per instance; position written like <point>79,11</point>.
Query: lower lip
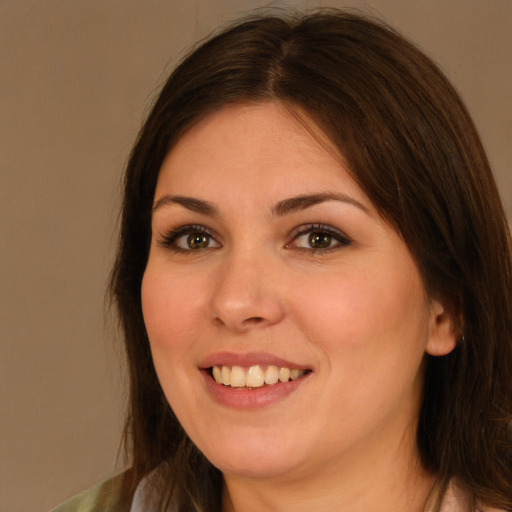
<point>242,398</point>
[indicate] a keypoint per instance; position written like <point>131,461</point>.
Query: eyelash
<point>170,239</point>
<point>322,229</point>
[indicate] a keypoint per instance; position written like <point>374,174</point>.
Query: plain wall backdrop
<point>76,79</point>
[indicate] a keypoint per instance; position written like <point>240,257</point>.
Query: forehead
<point>257,147</point>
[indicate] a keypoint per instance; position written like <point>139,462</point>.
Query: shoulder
<point>456,499</point>
<point>104,497</point>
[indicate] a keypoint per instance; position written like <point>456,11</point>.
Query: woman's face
<point>287,320</point>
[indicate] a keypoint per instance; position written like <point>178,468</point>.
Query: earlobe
<point>444,331</point>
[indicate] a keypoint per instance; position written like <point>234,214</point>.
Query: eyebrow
<point>284,207</point>
<point>294,204</point>
<point>191,203</point>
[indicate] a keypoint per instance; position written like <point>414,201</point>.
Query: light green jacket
<point>103,497</point>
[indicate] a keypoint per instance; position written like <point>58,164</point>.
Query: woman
<point>314,283</point>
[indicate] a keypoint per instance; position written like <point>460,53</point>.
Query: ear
<point>444,330</point>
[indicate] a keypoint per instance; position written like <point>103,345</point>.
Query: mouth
<point>254,377</point>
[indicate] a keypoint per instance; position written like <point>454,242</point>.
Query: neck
<point>387,480</point>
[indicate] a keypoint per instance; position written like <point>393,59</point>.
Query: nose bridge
<point>245,294</point>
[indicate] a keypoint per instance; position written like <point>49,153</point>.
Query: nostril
<point>254,320</point>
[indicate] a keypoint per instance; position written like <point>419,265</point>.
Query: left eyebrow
<point>190,203</point>
<point>294,204</point>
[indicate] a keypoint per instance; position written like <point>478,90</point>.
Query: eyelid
<point>304,229</point>
<point>168,238</point>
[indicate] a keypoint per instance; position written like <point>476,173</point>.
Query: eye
<point>193,241</point>
<point>318,238</point>
<point>189,238</point>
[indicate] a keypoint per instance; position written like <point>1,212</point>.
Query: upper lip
<point>248,359</point>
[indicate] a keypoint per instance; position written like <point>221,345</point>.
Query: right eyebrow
<point>303,202</point>
<point>191,203</point>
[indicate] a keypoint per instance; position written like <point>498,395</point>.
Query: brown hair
<point>412,147</point>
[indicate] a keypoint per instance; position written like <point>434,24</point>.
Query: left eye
<point>193,241</point>
<point>319,239</point>
<point>189,238</point>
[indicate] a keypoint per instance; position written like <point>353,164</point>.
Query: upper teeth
<point>254,376</point>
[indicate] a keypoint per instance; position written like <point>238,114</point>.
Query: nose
<point>245,295</point>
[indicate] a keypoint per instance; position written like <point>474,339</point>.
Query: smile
<point>254,376</point>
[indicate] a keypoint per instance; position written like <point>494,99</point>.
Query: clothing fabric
<point>105,497</point>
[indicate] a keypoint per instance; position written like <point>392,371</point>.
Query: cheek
<point>171,319</point>
<point>367,311</point>
<point>171,310</point>
<point>372,330</point>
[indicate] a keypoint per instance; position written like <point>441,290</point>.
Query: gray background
<point>76,78</point>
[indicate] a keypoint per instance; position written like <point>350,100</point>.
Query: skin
<point>356,314</point>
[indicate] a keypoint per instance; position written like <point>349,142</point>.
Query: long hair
<point>411,146</point>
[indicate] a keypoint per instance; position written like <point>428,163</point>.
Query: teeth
<point>284,374</point>
<point>295,374</point>
<point>225,376</point>
<point>255,376</point>
<point>237,377</point>
<point>271,375</point>
<point>217,373</point>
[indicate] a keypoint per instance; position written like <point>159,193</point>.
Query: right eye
<point>189,238</point>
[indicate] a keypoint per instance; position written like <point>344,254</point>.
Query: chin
<point>243,466</point>
<point>255,458</point>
